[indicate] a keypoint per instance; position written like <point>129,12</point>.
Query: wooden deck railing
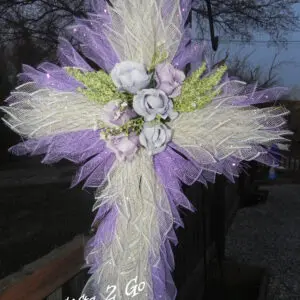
<point>45,277</point>
<point>291,163</point>
<point>289,169</point>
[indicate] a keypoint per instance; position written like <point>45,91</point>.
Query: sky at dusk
<point>263,54</point>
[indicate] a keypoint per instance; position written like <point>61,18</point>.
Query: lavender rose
<point>155,137</point>
<point>117,113</point>
<point>123,146</point>
<point>151,102</point>
<point>130,76</point>
<point>169,79</point>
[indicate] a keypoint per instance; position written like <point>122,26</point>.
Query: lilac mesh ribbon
<point>82,147</point>
<point>162,281</point>
<point>97,6</point>
<point>162,266</point>
<point>51,76</point>
<point>262,96</point>
<point>69,57</point>
<point>105,221</point>
<point>185,6</point>
<point>193,53</point>
<point>93,41</point>
<point>189,52</point>
<point>168,166</point>
<point>248,94</point>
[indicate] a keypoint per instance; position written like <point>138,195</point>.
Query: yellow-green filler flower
<point>99,86</point>
<point>196,92</point>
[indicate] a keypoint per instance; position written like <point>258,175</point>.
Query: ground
<point>269,235</point>
<point>36,218</point>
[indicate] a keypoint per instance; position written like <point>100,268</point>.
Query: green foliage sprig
<point>198,92</point>
<point>133,125</point>
<point>99,86</point>
<point>158,57</point>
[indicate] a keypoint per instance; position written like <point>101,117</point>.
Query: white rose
<point>130,76</point>
<point>151,102</point>
<point>155,137</point>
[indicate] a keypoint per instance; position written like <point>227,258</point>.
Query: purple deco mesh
<point>50,76</point>
<point>69,57</point>
<point>93,41</point>
<point>81,147</point>
<point>107,216</point>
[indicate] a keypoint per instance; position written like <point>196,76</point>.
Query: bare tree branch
<point>242,68</point>
<point>241,19</point>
